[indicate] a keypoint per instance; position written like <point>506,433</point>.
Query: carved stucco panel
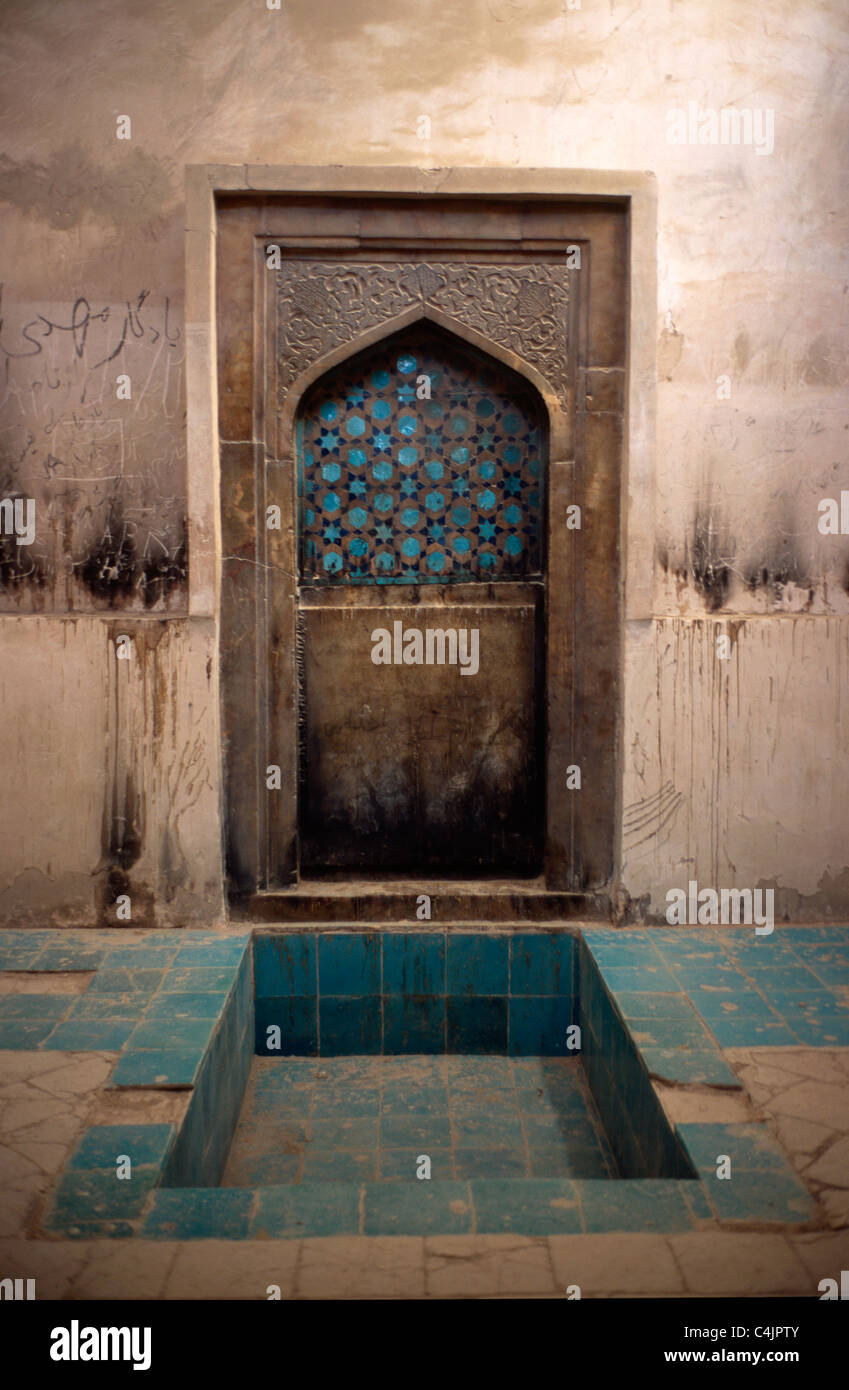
<point>321,305</point>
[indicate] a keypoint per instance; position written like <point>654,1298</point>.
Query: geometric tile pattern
<point>420,463</point>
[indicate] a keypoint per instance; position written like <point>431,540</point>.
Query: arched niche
<point>420,460</point>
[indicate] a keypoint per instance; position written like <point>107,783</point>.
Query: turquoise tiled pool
<point>395,1040</point>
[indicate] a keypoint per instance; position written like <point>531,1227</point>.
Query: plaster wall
<point>732,769</point>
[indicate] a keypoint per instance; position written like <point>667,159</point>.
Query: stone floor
<point>339,1119</point>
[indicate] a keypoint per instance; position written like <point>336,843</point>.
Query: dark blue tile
<point>196,1213</point>
<point>297,1019</point>
<point>413,963</point>
<point>349,963</point>
<point>349,1027</point>
<point>285,964</point>
<point>413,1024</point>
<point>476,1025</point>
<point>538,1027</point>
<point>477,964</point>
<point>541,963</point>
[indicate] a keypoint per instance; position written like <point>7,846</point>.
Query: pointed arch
<point>558,425</point>
<point>421,459</point>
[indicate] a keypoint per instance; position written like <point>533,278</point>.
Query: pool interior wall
<point>196,1014</point>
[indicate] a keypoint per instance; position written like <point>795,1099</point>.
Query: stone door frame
<point>232,455</point>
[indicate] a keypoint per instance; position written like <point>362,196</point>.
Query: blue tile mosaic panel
<point>398,489</point>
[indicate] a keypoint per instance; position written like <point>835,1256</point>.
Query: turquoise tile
<point>344,1131</point>
<point>96,1230</point>
<point>482,1131</point>
<point>750,1032</point>
<point>348,963</point>
<point>403,1165</point>
<point>428,1208</point>
<point>212,954</point>
<point>649,1205</point>
<point>100,1195</point>
<point>104,1008</point>
<point>339,1165</point>
<point>759,1196</point>
<point>477,964</point>
<point>696,1199</point>
<point>653,979</point>
<point>159,1033</point>
<point>413,963</point>
<point>90,1035</point>
<point>690,1065</point>
<point>543,1131</point>
<point>100,1146</point>
<point>830,1031</point>
<point>725,1003</point>
<point>307,1209</point>
<point>34,1006</point>
<point>264,1170</point>
<point>490,1163</point>
<point>783,978</point>
<point>199,1213</point>
<point>541,963</point>
<point>552,1161</point>
<point>544,1207</point>
<point>419,1132</point>
<point>667,1032</point>
<point>178,1006</point>
<point>23,1034</point>
<point>750,1146</point>
<point>126,981</point>
<point>624,954</point>
<point>285,964</point>
<point>168,1067</point>
<point>68,958</point>
<point>655,1006</point>
<point>19,956</point>
<point>192,979</point>
<point>139,957</point>
<point>345,1099</point>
